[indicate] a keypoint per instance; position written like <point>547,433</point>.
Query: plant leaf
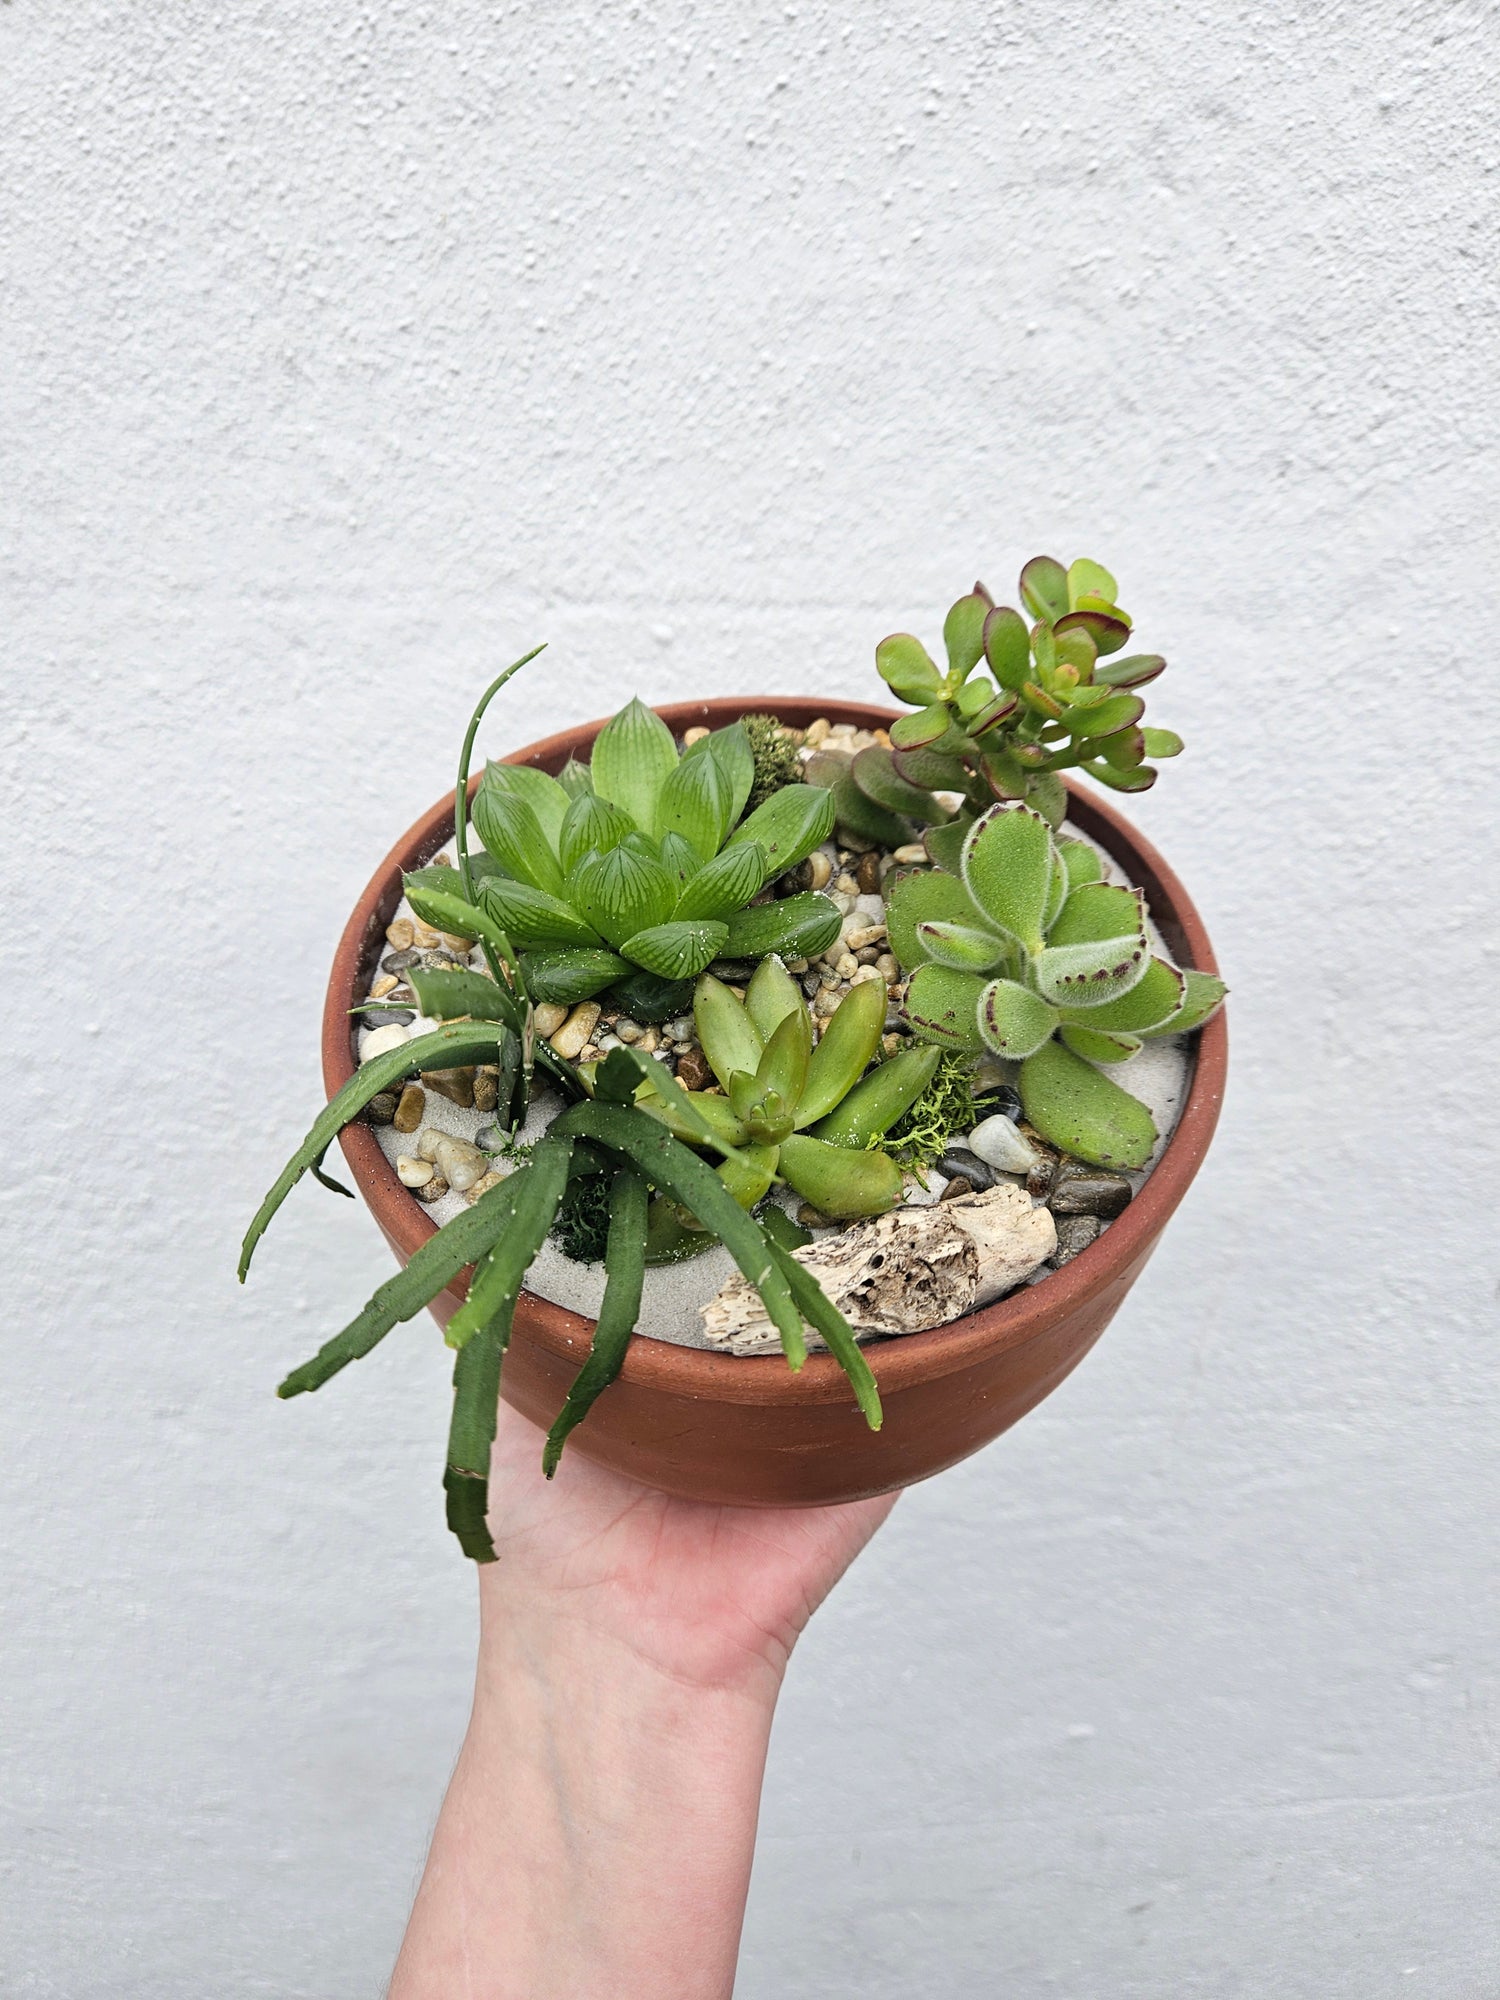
<point>1081,1112</point>
<point>575,779</point>
<point>1047,794</point>
<point>962,946</point>
<point>1044,588</point>
<point>1103,718</point>
<point>942,1006</point>
<point>1205,996</point>
<point>1090,579</point>
<point>546,797</point>
<point>921,731</point>
<point>875,1103</point>
<point>680,1174</point>
<point>696,801</point>
<point>1134,671</point>
<point>450,1047</point>
<point>496,1284</point>
<point>838,1180</point>
<point>436,1263</point>
<point>845,1050</point>
<point>727,1035</point>
<point>634,755</point>
<point>1162,742</point>
<point>797,927</point>
<point>1098,910</point>
<point>963,634</point>
<point>452,914</point>
<point>1007,870</point>
<point>1081,861</point>
<point>1096,1046</point>
<point>1057,890</point>
<point>1156,997</point>
<point>1109,629</point>
<point>530,916</point>
<point>509,828</point>
<point>568,976</point>
<point>929,897</point>
<point>676,950</point>
<point>1013,1020</point>
<point>447,996</point>
<point>725,884</point>
<point>874,772</point>
<point>623,892</point>
<point>771,995</point>
<point>945,844</point>
<point>730,748</point>
<point>852,809</point>
<point>1007,647</point>
<point>590,824</point>
<point>783,1066</point>
<point>906,667</point>
<point>1086,975</point>
<point>643,997</point>
<point>930,770</point>
<point>1141,779</point>
<point>625,1270</point>
<point>820,1312</point>
<point>788,825</point>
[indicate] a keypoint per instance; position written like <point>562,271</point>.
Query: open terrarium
<point>854,1040</point>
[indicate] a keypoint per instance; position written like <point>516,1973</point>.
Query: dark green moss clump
<point>774,749</point>
<point>582,1225</point>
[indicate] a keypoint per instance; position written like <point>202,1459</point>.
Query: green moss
<point>582,1225</point>
<point>920,1136</point>
<point>775,752</point>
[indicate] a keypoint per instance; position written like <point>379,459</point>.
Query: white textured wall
<point>348,351</point>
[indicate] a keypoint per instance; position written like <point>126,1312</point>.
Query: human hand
<point>714,1596</point>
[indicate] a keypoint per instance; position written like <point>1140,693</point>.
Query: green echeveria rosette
<point>1019,704</point>
<point>1027,951</point>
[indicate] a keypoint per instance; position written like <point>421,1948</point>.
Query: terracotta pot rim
<point>766,1380</point>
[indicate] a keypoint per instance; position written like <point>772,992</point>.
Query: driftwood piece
<point>903,1272</point>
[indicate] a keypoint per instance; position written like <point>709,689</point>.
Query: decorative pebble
<point>1003,1101</point>
<point>483,1186</point>
<point>457,1085</point>
<point>549,1018</point>
<point>381,1108</point>
<point>1075,1233</point>
<point>413,1172</point>
<point>380,1039</point>
<point>628,1030</point>
<point>693,1072</point>
<point>681,1028</point>
<point>825,1001</point>
<point>400,1017</point>
<point>399,933</point>
<point>409,1111</point>
<point>846,965</point>
<point>960,1164</point>
<point>398,961</point>
<point>432,1190</point>
<point>960,1184</point>
<point>890,1045</point>
<point>812,1218</point>
<point>888,966</point>
<point>425,936</point>
<point>459,946</point>
<point>999,1144</point>
<point>608,1042</point>
<point>862,935</point>
<point>816,732</point>
<point>1079,1189</point>
<point>386,983</point>
<point>490,1137</point>
<point>649,1042</point>
<point>461,1164</point>
<point>846,885</point>
<point>863,974</point>
<point>911,854</point>
<point>695,735</point>
<point>867,874</point>
<point>486,1088</point>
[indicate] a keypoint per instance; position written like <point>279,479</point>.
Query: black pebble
<point>1004,1101</point>
<point>397,961</point>
<point>959,1161</point>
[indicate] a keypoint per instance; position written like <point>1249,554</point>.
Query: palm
<point>710,1594</point>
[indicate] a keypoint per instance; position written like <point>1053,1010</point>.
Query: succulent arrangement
<point>657,876</point>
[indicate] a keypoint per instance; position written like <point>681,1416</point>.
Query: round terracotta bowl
<point>748,1432</point>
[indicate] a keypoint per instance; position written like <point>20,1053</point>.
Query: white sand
<point>675,1294</point>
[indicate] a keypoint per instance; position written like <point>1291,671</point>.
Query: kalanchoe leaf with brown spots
<point>1076,981</point>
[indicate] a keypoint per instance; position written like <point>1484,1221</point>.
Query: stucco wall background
<point>351,350</point>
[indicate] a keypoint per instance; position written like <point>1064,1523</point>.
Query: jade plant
<point>1059,694</point>
<point>1027,951</point>
<point>640,863</point>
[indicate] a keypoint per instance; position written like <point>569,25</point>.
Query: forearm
<point>598,1833</point>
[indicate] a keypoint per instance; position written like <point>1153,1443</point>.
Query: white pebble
<point>430,1142</point>
<point>913,852</point>
<point>379,1040</point>
<point>414,1173</point>
<point>550,1016</point>
<point>997,1142</point>
<point>461,1164</point>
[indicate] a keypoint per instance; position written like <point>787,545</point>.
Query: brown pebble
<point>693,1072</point>
<point>424,936</point>
<point>812,1218</point>
<point>381,1108</point>
<point>386,983</point>
<point>457,1085</point>
<point>1074,1233</point>
<point>482,1186</point>
<point>409,1111</point>
<point>486,1089</point>
<point>432,1190</point>
<point>399,933</point>
<point>1039,1180</point>
<point>868,874</point>
<point>960,1184</point>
